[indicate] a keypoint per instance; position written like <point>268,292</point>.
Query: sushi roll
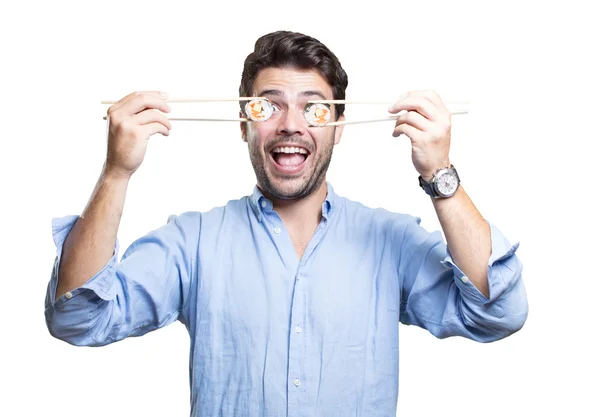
<point>317,114</point>
<point>258,110</point>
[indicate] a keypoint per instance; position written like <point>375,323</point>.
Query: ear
<point>243,127</point>
<point>338,130</point>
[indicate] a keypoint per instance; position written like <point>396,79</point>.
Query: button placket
<point>297,350</point>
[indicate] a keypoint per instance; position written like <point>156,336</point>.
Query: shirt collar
<point>259,202</point>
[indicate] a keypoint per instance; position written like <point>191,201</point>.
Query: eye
<point>258,110</point>
<point>317,114</point>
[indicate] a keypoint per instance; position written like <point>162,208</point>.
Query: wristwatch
<point>444,183</point>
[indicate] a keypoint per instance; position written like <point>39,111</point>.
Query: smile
<point>289,159</point>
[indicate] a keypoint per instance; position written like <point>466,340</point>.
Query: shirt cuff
<point>101,283</point>
<point>501,250</point>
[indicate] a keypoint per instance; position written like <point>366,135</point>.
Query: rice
<point>317,114</point>
<point>258,110</point>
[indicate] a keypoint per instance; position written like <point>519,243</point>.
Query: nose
<point>292,122</point>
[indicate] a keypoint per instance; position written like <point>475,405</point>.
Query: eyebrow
<point>279,93</point>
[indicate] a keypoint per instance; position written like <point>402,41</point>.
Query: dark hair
<point>290,49</point>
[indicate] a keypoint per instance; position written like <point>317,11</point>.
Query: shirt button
<point>277,230</point>
<point>464,278</point>
<point>264,204</point>
<point>69,295</point>
<point>296,382</point>
<point>258,218</point>
<point>298,329</point>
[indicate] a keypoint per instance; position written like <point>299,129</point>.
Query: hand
<point>427,124</point>
<point>132,120</point>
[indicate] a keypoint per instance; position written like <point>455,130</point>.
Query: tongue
<point>289,159</point>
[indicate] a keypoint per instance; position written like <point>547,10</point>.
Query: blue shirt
<point>272,335</point>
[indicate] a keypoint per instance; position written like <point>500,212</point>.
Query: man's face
<point>290,157</point>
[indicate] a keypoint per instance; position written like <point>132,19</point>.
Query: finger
<point>416,120</point>
<point>143,102</point>
<point>430,95</point>
<point>133,95</point>
<point>153,128</point>
<point>412,132</point>
<point>437,101</point>
<point>150,116</point>
<point>419,104</point>
<point>128,98</point>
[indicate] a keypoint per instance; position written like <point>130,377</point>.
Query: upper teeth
<point>288,149</point>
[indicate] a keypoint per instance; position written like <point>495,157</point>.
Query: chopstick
<point>452,103</point>
<point>208,100</point>
<point>200,100</point>
<point>197,100</point>
<point>197,119</point>
<point>391,117</point>
<point>350,102</point>
<point>349,122</point>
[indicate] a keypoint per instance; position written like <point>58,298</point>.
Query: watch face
<point>446,183</point>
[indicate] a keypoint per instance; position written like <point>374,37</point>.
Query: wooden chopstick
<point>391,117</point>
<point>452,103</point>
<point>197,100</point>
<point>200,119</point>
<point>350,102</point>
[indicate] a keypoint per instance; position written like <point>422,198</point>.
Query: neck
<point>302,213</point>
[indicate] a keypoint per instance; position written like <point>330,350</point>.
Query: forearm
<point>90,243</point>
<point>467,235</point>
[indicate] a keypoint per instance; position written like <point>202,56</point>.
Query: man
<point>292,295</point>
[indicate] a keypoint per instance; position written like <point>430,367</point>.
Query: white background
<point>527,154</point>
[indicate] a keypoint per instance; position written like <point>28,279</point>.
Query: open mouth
<point>289,159</point>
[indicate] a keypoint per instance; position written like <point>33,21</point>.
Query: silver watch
<point>444,183</point>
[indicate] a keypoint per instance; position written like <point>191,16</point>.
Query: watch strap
<point>427,186</point>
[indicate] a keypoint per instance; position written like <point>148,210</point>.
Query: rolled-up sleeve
<point>439,297</point>
<point>143,292</point>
